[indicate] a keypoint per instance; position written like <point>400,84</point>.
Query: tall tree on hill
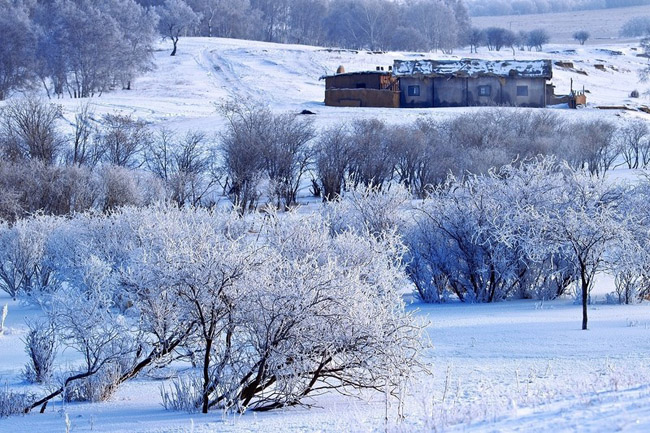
<point>176,20</point>
<point>432,19</point>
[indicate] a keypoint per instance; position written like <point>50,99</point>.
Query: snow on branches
<point>270,309</point>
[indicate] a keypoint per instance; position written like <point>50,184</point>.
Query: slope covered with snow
<point>184,91</point>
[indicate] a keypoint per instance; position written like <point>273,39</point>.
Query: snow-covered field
<point>513,366</point>
<point>603,24</point>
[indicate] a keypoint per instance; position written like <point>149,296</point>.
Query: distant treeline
<point>521,7</point>
<point>367,24</point>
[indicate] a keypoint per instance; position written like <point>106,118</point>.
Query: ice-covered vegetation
<point>261,157</point>
<point>268,309</point>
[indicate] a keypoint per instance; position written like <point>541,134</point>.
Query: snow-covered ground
<point>513,366</point>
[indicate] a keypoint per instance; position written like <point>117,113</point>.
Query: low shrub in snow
<point>12,402</point>
<point>40,345</point>
<point>97,387</point>
<point>182,394</point>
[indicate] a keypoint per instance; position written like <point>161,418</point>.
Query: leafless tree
<point>332,154</point>
<point>28,130</point>
<point>123,139</point>
<point>183,163</point>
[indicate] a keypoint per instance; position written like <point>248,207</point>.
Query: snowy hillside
<point>183,90</point>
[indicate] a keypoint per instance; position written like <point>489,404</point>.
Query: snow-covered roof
<point>351,74</point>
<point>474,68</point>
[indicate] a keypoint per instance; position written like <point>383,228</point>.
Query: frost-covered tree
<point>86,48</point>
<point>306,21</point>
<point>271,309</point>
<point>585,228</point>
<point>79,46</point>
<point>85,148</point>
<point>286,156</point>
<point>18,48</point>
<point>40,345</point>
<point>429,17</point>
<point>370,210</point>
<point>475,38</point>
<point>176,19</point>
<point>497,38</point>
<point>275,17</point>
<point>581,36</point>
<point>228,18</point>
<point>471,239</point>
<point>258,144</point>
<point>241,152</point>
<point>372,159</point>
<point>123,140</point>
<point>634,142</point>
<point>25,263</point>
<point>594,146</point>
<point>536,39</point>
<point>138,27</point>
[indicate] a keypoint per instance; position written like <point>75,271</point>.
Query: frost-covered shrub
<point>182,394</point>
<point>277,306</point>
<point>486,238</point>
<point>40,345</point>
<point>126,187</point>
<point>369,208</point>
<point>372,158</point>
<point>25,265</point>
<point>12,402</point>
<point>269,305</point>
<point>97,387</point>
<point>454,246</point>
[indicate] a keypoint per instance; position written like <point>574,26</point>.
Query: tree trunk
<point>175,42</point>
<point>206,376</point>
<point>585,294</point>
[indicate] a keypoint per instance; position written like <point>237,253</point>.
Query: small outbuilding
<point>473,82</point>
<point>362,89</point>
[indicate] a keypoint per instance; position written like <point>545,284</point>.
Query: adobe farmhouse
<point>445,83</point>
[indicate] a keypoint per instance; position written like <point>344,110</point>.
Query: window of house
<point>522,90</point>
<point>484,90</point>
<point>361,85</point>
<point>414,90</point>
